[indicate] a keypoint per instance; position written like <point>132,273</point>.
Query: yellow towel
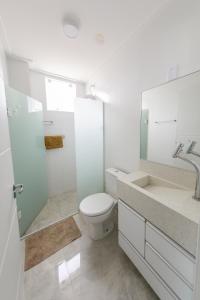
<point>53,141</point>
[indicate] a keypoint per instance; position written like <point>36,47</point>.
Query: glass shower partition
<point>89,147</point>
<point>25,117</point>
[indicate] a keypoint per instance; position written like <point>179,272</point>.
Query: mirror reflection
<point>170,115</point>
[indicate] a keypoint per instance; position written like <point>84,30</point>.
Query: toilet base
<point>99,226</point>
<point>98,231</point>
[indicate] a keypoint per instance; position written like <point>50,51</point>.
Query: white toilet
<point>98,209</point>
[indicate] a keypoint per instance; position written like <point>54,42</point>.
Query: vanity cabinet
<point>167,273</point>
<point>182,262</point>
<point>145,269</point>
<point>132,226</point>
<point>167,267</point>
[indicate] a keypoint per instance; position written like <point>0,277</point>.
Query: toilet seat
<point>96,204</point>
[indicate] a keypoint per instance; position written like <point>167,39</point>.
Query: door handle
<point>17,189</point>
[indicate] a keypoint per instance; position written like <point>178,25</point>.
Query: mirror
<point>170,115</point>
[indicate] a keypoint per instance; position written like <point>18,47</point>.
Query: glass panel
<point>89,147</point>
<point>28,152</point>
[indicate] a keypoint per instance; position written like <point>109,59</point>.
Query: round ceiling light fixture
<point>71,30</point>
<point>71,26</point>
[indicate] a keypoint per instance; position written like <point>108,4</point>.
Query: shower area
<point>57,156</point>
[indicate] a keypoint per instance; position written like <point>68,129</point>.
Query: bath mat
<point>43,243</point>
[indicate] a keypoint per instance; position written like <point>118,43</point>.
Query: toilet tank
<point>111,181</point>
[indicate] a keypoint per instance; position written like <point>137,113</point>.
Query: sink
<point>159,187</point>
<point>147,182</point>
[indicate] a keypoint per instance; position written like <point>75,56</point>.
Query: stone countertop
<point>178,217</point>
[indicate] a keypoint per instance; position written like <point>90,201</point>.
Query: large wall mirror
<point>170,114</point>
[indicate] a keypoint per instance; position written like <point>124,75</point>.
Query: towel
<point>53,142</point>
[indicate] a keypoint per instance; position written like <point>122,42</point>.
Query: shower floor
<point>57,208</point>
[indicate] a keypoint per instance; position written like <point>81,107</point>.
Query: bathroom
<point>99,151</point>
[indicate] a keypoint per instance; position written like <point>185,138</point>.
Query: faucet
<point>190,149</point>
<point>176,154</point>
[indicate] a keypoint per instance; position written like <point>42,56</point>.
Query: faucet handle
<point>191,147</point>
<point>178,150</point>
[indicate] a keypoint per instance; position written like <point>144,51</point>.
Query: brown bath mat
<point>42,244</point>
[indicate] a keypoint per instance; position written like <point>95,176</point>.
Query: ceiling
<point>34,31</point>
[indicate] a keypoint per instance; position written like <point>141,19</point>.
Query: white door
<point>11,273</point>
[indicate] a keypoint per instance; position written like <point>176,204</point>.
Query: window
<point>60,95</point>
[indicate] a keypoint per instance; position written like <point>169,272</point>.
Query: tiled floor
<point>56,209</point>
<point>87,270</point>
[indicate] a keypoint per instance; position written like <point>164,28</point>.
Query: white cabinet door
<point>132,226</point>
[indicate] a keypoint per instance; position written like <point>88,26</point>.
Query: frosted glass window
<point>60,95</point>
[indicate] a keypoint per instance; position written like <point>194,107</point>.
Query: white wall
<point>61,165</point>
<point>11,255</point>
<point>18,75</point>
<point>170,38</point>
<point>3,63</point>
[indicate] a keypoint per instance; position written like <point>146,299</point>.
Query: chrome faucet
<point>176,154</point>
<point>190,149</point>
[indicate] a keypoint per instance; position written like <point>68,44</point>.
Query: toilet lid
<point>96,204</point>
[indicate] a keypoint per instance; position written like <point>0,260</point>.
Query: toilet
<point>98,209</point>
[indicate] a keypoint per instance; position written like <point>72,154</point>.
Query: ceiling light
<point>71,30</point>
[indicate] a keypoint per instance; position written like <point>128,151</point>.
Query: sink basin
<point>160,187</point>
<point>149,181</point>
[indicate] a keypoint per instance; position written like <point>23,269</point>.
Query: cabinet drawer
<point>147,272</point>
<point>180,288</point>
<point>132,226</point>
<point>179,259</point>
